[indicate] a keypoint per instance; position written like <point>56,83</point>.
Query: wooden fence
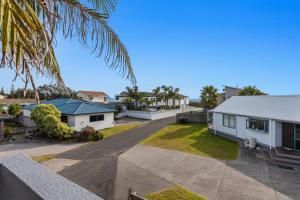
<point>193,116</point>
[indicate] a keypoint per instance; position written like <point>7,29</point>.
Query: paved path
<point>36,149</point>
<point>246,178</point>
<point>97,169</point>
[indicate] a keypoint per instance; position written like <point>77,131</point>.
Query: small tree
<point>250,91</point>
<point>15,109</point>
<point>2,111</point>
<point>47,120</point>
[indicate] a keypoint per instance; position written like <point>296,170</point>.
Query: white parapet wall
<point>153,115</point>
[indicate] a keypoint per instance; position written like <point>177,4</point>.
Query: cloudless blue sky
<point>192,43</point>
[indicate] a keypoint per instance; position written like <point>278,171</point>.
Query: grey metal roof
<point>285,108</point>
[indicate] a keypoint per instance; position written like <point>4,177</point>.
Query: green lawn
<point>194,139</point>
<point>118,129</point>
<point>176,192</point>
<point>43,158</point>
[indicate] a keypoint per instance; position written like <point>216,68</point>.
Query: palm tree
<point>250,91</point>
<point>166,94</point>
<point>209,97</point>
<point>29,29</point>
<point>175,95</point>
<point>157,95</point>
<point>134,94</point>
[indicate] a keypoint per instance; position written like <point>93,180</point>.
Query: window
<point>229,121</point>
<point>64,119</point>
<point>258,125</point>
<point>95,118</point>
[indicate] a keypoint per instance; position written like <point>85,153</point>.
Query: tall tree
<point>2,92</point>
<point>209,97</point>
<point>29,29</point>
<point>165,94</point>
<point>250,91</point>
<point>174,94</point>
<point>56,91</point>
<point>134,94</point>
<point>157,94</point>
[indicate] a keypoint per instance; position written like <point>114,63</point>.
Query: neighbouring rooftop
<point>93,93</point>
<point>75,107</point>
<point>284,108</point>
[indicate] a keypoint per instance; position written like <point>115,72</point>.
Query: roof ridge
<point>81,103</point>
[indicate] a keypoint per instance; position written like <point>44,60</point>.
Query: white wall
<point>82,121</point>
<point>242,132</point>
<point>99,99</point>
<point>155,114</point>
<point>78,122</point>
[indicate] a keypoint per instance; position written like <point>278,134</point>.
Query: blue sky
<point>192,43</point>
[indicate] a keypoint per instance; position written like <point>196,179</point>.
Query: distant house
<point>2,96</point>
<point>182,101</point>
<point>228,92</point>
<point>78,113</point>
<point>273,121</point>
<point>93,96</point>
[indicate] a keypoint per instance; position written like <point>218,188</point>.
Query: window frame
<point>265,121</point>
<point>99,117</point>
<point>230,117</point>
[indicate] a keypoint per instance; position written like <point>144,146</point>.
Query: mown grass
<point>118,129</point>
<point>194,139</point>
<point>174,193</point>
<point>43,158</point>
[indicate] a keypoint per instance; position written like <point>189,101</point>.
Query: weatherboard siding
<point>82,121</point>
<point>241,131</point>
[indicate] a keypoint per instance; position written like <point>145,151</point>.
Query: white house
<point>78,114</point>
<point>93,96</point>
<point>274,121</point>
<point>182,101</point>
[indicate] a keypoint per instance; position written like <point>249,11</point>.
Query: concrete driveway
<point>149,169</point>
<point>98,164</point>
<point>37,148</point>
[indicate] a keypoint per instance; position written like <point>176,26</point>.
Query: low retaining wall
<point>153,115</point>
<point>22,178</point>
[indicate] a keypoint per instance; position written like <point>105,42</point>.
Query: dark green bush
<point>183,121</point>
<point>8,132</point>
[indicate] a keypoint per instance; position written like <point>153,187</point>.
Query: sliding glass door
<point>297,136</point>
<point>291,136</point>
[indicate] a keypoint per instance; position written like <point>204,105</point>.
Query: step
<point>273,155</point>
<point>281,154</point>
<point>280,164</point>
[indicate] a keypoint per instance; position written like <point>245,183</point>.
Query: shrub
<point>8,132</point>
<point>15,109</point>
<point>100,135</point>
<point>88,133</point>
<point>2,111</point>
<point>47,120</point>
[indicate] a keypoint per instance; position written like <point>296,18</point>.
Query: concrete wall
<point>183,103</point>
<point>22,178</point>
<point>82,121</point>
<point>155,114</point>
<point>242,132</point>
<point>14,188</point>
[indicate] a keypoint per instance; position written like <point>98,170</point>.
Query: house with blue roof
<point>78,113</point>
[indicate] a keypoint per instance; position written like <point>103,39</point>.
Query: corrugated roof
<point>75,107</point>
<point>93,93</point>
<point>285,108</point>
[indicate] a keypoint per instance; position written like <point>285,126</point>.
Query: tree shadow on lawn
<point>195,139</point>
